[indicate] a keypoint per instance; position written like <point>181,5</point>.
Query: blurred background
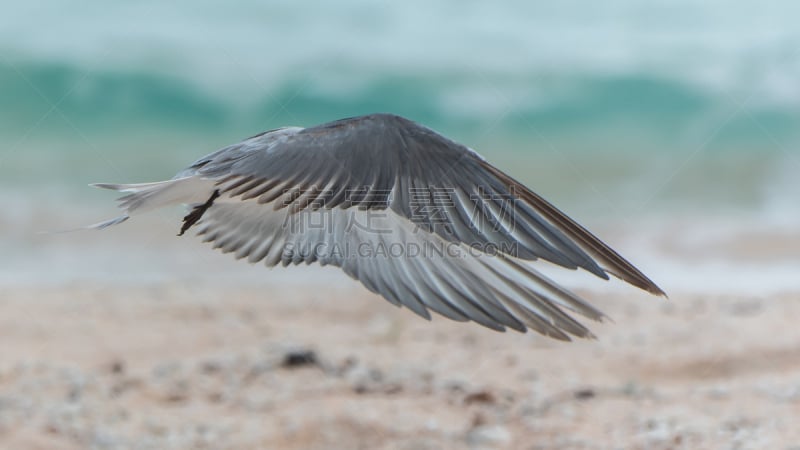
<point>669,128</point>
<point>620,111</point>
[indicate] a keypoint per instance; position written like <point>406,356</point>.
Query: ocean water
<point>615,111</point>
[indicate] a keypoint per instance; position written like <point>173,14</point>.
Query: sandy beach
<point>175,366</point>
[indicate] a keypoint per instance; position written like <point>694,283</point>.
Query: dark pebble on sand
<point>584,394</point>
<point>299,358</point>
<point>484,397</point>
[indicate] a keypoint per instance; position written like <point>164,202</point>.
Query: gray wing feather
<point>495,292</point>
<point>383,161</point>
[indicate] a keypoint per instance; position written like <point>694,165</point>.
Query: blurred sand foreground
<point>174,366</point>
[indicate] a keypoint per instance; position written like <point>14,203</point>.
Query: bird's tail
<point>143,197</point>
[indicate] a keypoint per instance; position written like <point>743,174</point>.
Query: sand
<point>208,365</point>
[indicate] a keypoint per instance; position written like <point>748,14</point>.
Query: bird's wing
<point>385,162</point>
<point>406,265</point>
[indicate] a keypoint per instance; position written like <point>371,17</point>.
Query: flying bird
<point>423,221</point>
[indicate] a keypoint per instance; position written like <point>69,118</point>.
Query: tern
<point>423,221</point>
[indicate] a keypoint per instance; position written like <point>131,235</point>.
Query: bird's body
<point>415,217</point>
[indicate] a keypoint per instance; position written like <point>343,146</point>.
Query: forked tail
<point>143,197</point>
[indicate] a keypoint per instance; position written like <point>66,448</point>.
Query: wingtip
<point>641,281</point>
<point>654,289</point>
<point>651,288</point>
<point>658,292</point>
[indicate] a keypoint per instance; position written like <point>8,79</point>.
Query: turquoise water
<point>691,103</point>
<point>657,124</point>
